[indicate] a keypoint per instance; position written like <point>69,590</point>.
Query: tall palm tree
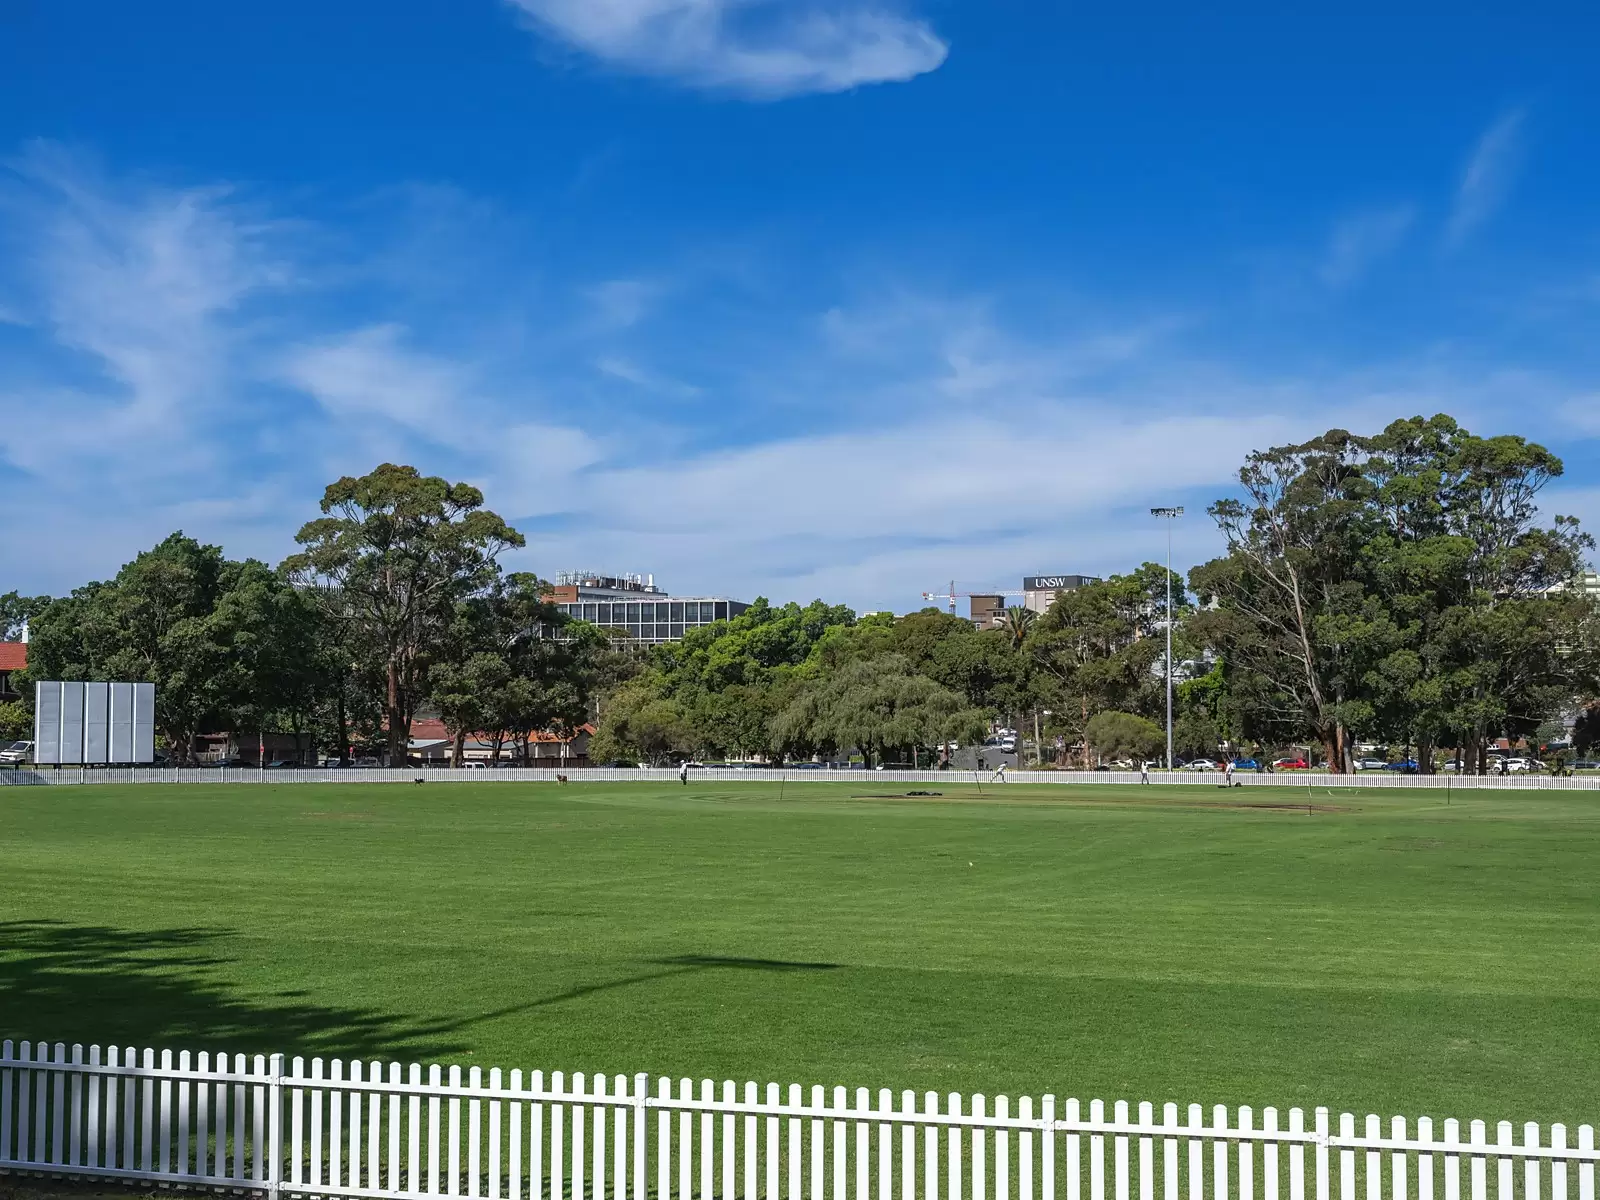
<point>1018,622</point>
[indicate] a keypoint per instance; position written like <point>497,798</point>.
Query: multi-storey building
<point>634,603</point>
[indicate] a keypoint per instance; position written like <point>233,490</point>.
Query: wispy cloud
<point>186,361</point>
<point>1488,176</point>
<point>762,48</point>
<point>143,287</point>
<point>1582,415</point>
<point>1361,240</point>
<point>621,303</point>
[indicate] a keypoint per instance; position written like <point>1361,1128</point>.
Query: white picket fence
<point>1281,784</point>
<point>354,1129</point>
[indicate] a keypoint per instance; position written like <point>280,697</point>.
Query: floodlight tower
<point>1169,515</point>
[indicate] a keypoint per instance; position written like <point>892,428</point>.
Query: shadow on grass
<point>63,982</point>
<point>161,988</point>
<point>682,964</point>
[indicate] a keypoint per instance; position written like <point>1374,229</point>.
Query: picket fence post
<point>275,1128</point>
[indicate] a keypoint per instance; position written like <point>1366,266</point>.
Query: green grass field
<point>1382,952</point>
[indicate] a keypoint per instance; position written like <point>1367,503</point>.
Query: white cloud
<point>1582,415</point>
<point>143,287</point>
<point>864,453</point>
<point>764,48</point>
<point>1486,181</point>
<point>388,400</point>
<point>1359,241</point>
<point>621,303</point>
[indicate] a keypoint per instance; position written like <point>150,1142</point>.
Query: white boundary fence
<point>337,1129</point>
<point>1281,782</point>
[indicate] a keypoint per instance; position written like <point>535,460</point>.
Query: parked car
<point>1370,764</point>
<point>1201,764</point>
<point>1586,764</point>
<point>1290,764</point>
<point>1406,766</point>
<point>282,764</point>
<point>475,764</point>
<point>1246,764</point>
<point>17,752</point>
<point>814,766</point>
<point>1523,766</point>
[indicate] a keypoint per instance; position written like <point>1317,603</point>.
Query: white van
<point>17,752</point>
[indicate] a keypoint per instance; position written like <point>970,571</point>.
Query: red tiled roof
<point>13,656</point>
<point>434,731</point>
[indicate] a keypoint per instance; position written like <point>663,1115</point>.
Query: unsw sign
<point>1055,583</point>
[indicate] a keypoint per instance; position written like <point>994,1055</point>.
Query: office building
<point>1039,592</point>
<point>634,603</point>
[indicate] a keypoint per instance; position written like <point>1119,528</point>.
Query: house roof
<point>434,731</point>
<point>13,656</point>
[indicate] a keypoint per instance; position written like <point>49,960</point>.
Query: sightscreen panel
<point>46,722</point>
<point>71,724</point>
<point>96,721</point>
<point>121,741</point>
<point>144,722</point>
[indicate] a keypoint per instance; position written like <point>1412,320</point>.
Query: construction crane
<point>952,595</point>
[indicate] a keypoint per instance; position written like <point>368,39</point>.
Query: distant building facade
<point>1039,592</point>
<point>635,604</point>
<point>988,612</point>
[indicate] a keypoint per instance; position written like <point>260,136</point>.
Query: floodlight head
<point>1167,512</point>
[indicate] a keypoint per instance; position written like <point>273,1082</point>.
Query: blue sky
<point>791,297</point>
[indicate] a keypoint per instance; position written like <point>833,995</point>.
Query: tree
<point>16,722</point>
<point>1018,623</point>
<point>985,667</point>
<point>1397,586</point>
<point>1124,735</point>
<point>393,554</point>
<point>1289,589</point>
<point>15,613</point>
<point>224,642</point>
<point>641,724</point>
<point>1097,647</point>
<point>875,705</point>
<point>723,682</point>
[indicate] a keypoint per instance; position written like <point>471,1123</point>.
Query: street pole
<point>1169,514</point>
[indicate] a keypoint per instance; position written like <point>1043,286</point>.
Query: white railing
<point>1280,782</point>
<point>354,1129</point>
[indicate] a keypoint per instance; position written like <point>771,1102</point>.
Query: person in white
<point>1144,771</point>
<point>683,772</point>
<point>1000,773</point>
<point>1227,774</point>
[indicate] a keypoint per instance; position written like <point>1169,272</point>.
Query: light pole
<point>1170,515</point>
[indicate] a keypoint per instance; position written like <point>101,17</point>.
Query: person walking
<point>683,772</point>
<point>1144,771</point>
<point>1000,773</point>
<point>1227,773</point>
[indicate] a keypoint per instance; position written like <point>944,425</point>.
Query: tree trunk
<point>1424,757</point>
<point>458,748</point>
<point>342,724</point>
<point>399,736</point>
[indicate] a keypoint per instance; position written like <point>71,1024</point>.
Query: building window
<point>721,611</point>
